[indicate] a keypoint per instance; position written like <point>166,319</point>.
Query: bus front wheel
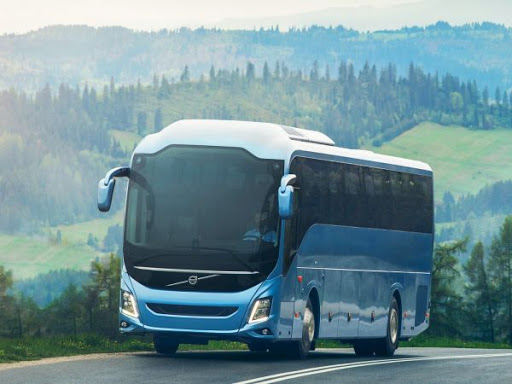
<point>388,345</point>
<point>308,332</point>
<point>165,345</point>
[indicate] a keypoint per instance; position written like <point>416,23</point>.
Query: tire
<point>388,345</point>
<point>364,348</point>
<point>300,349</point>
<point>165,345</point>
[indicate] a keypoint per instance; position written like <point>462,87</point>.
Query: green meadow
<point>463,160</point>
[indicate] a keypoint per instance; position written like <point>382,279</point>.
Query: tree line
<point>457,49</point>
<point>59,143</point>
<point>494,199</point>
<point>88,308</point>
<point>482,309</point>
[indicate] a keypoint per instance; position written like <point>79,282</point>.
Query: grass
<point>127,140</point>
<point>463,160</point>
<point>12,350</point>
<point>32,348</point>
<point>29,256</point>
<point>425,340</point>
<point>25,349</point>
<point>77,233</point>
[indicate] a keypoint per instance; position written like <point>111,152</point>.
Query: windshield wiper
<point>229,251</point>
<point>156,255</point>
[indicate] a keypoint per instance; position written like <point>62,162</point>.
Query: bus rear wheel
<point>165,345</point>
<point>388,345</point>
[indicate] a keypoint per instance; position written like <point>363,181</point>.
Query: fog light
<point>124,324</point>
<point>260,310</point>
<point>264,332</point>
<point>128,304</point>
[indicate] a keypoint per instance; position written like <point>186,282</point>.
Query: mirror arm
<point>116,172</point>
<point>287,180</point>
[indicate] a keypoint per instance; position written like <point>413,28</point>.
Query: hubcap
<point>393,325</point>
<point>309,328</point>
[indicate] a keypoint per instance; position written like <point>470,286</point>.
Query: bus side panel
<point>374,299</point>
<point>415,304</point>
<point>381,258</point>
<point>349,304</point>
<point>330,304</point>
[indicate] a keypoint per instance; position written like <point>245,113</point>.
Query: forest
<point>73,54</point>
<point>58,143</point>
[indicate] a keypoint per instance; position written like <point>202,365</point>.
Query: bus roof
<point>264,140</point>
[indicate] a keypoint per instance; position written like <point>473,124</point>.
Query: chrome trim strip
<point>186,281</point>
<point>365,270</point>
<point>197,271</point>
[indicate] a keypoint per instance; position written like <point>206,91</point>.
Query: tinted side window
<point>360,196</point>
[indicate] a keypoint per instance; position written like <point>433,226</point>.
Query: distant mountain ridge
<point>372,17</point>
<point>80,54</point>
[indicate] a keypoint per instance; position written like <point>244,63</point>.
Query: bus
<point>272,236</point>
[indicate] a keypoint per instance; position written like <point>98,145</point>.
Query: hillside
<point>29,256</point>
<point>79,54</point>
<point>463,160</point>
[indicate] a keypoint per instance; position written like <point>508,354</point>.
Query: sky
<point>19,16</point>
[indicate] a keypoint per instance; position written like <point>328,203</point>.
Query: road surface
<point>409,365</point>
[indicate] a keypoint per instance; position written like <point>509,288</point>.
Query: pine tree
<point>185,75</point>
<point>446,302</point>
<point>500,266</point>
<point>141,122</point>
<point>250,71</point>
<point>266,74</point>
<point>480,293</point>
<point>158,123</point>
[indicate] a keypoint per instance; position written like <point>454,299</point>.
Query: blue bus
<point>272,236</point>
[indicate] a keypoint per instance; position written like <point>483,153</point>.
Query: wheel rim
<point>393,325</point>
<point>308,332</point>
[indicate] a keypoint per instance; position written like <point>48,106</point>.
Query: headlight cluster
<point>128,304</point>
<point>260,310</point>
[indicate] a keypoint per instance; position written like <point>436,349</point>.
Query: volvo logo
<point>192,280</point>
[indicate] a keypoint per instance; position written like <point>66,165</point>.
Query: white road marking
<point>338,367</point>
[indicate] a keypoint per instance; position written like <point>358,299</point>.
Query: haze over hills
<point>373,17</point>
<point>79,54</point>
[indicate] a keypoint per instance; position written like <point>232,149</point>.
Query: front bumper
<point>191,329</point>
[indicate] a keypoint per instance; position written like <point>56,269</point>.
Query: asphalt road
<point>409,365</point>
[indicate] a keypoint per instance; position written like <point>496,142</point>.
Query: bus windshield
<point>202,211</point>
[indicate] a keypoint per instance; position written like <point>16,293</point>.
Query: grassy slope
<point>29,256</point>
<point>127,140</point>
<point>463,160</point>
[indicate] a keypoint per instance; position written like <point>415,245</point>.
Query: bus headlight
<point>128,304</point>
<point>260,310</point>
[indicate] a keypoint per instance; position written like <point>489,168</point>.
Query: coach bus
<point>272,236</point>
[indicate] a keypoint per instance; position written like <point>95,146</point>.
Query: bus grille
<point>191,310</point>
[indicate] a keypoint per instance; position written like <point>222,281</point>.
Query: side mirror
<point>106,187</point>
<point>285,196</point>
